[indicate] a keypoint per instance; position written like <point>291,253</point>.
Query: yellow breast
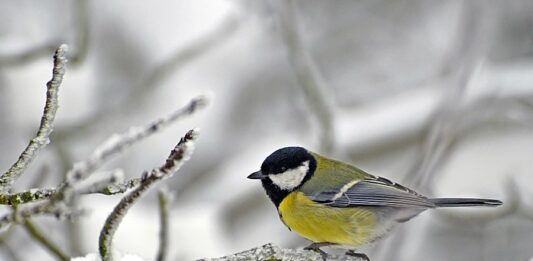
<point>321,223</point>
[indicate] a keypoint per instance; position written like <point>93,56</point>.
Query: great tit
<point>333,203</point>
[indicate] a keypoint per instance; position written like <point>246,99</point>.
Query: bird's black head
<point>284,171</point>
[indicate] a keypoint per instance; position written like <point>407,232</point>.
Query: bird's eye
<point>283,169</point>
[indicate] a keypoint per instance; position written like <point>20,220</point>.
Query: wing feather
<point>374,191</point>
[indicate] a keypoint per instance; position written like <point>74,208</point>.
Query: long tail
<point>464,202</point>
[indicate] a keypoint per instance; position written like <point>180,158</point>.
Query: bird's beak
<point>257,175</point>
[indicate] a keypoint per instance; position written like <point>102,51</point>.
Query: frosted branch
<point>101,182</point>
<point>118,142</point>
<point>37,194</point>
<point>271,252</point>
<point>59,199</point>
<point>42,137</point>
<point>27,196</point>
<point>175,160</point>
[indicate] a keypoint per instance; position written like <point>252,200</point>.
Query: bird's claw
<point>359,255</point>
<point>316,248</point>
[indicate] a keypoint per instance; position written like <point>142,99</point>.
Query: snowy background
<point>437,95</point>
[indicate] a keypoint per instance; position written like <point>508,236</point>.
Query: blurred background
<point>437,95</point>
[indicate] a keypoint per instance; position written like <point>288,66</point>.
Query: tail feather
<point>464,202</point>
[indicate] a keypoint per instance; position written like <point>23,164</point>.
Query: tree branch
<point>175,160</point>
<point>274,253</point>
<point>46,127</point>
<point>37,194</point>
<point>118,142</point>
<point>58,202</point>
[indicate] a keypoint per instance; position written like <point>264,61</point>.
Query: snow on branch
<point>58,200</point>
<point>41,139</point>
<point>272,252</point>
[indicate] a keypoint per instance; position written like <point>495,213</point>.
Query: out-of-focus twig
<point>28,55</point>
<point>19,215</point>
<point>441,135</point>
<point>194,50</point>
<point>81,32</point>
<point>165,199</point>
<point>272,252</point>
<point>154,77</point>
<point>40,237</point>
<point>175,160</point>
<point>310,80</point>
<point>46,126</point>
<point>80,44</point>
<point>8,251</point>
<point>5,236</point>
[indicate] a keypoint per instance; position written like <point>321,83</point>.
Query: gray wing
<point>372,192</point>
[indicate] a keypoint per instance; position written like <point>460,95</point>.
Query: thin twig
<point>40,237</point>
<point>177,157</point>
<point>307,73</point>
<point>47,123</point>
<point>100,182</point>
<point>165,199</point>
<point>113,189</point>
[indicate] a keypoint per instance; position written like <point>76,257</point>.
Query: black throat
<point>276,194</point>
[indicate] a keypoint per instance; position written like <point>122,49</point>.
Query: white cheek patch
<point>291,178</point>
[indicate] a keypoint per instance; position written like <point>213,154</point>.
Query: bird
<point>332,203</point>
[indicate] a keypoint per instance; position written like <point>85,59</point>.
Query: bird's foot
<point>360,255</point>
<point>316,248</point>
